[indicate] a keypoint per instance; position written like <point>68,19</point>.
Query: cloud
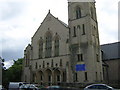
<point>8,63</point>
<point>19,20</point>
<point>12,54</point>
<point>9,10</point>
<point>107,14</point>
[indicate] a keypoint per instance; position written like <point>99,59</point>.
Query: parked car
<point>15,85</point>
<point>28,86</point>
<point>53,87</point>
<point>98,86</point>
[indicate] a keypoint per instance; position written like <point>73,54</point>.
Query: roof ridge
<point>60,20</point>
<point>110,43</point>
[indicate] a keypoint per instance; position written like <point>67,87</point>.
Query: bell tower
<point>85,57</point>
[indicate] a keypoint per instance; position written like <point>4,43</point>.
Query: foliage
<point>14,73</point>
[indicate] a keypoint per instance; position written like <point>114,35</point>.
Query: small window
<point>56,64</point>
<point>83,29</point>
<point>80,57</point>
<point>74,31</point>
<point>86,78</point>
<point>96,76</point>
<point>60,62</point>
<point>97,57</point>
<point>47,64</point>
<point>43,64</point>
<point>78,13</point>
<point>76,77</point>
<point>36,65</point>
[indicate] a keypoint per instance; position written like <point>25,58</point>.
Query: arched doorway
<point>57,76</point>
<point>40,77</point>
<point>48,76</point>
<point>64,76</point>
<point>34,78</point>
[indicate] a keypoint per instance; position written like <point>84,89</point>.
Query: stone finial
<point>49,10</point>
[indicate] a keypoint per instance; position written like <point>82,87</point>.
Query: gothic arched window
<point>83,29</point>
<point>40,48</point>
<point>48,45</point>
<point>56,47</point>
<point>78,27</point>
<point>78,12</point>
<point>74,31</point>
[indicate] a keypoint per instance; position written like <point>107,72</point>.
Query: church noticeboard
<point>80,67</point>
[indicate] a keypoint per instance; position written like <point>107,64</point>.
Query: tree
<point>14,73</point>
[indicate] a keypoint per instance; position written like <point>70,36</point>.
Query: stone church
<point>61,53</point>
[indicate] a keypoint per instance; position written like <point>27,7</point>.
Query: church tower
<point>85,57</point>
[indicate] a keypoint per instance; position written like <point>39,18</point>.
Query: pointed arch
<point>40,55</point>
<point>48,44</point>
<point>48,76</point>
<point>78,27</point>
<point>57,36</point>
<point>56,45</point>
<point>40,76</point>
<point>48,33</point>
<point>34,78</point>
<point>74,31</point>
<point>78,12</point>
<point>57,76</point>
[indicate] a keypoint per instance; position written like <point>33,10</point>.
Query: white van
<point>14,85</point>
<point>0,87</point>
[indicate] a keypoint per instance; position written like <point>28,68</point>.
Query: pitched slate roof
<point>111,51</point>
<point>63,23</point>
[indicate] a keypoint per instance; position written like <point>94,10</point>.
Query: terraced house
<point>61,53</point>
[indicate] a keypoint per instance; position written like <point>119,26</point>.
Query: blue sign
<point>80,67</point>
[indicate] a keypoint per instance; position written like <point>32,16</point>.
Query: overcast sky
<point>19,19</point>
